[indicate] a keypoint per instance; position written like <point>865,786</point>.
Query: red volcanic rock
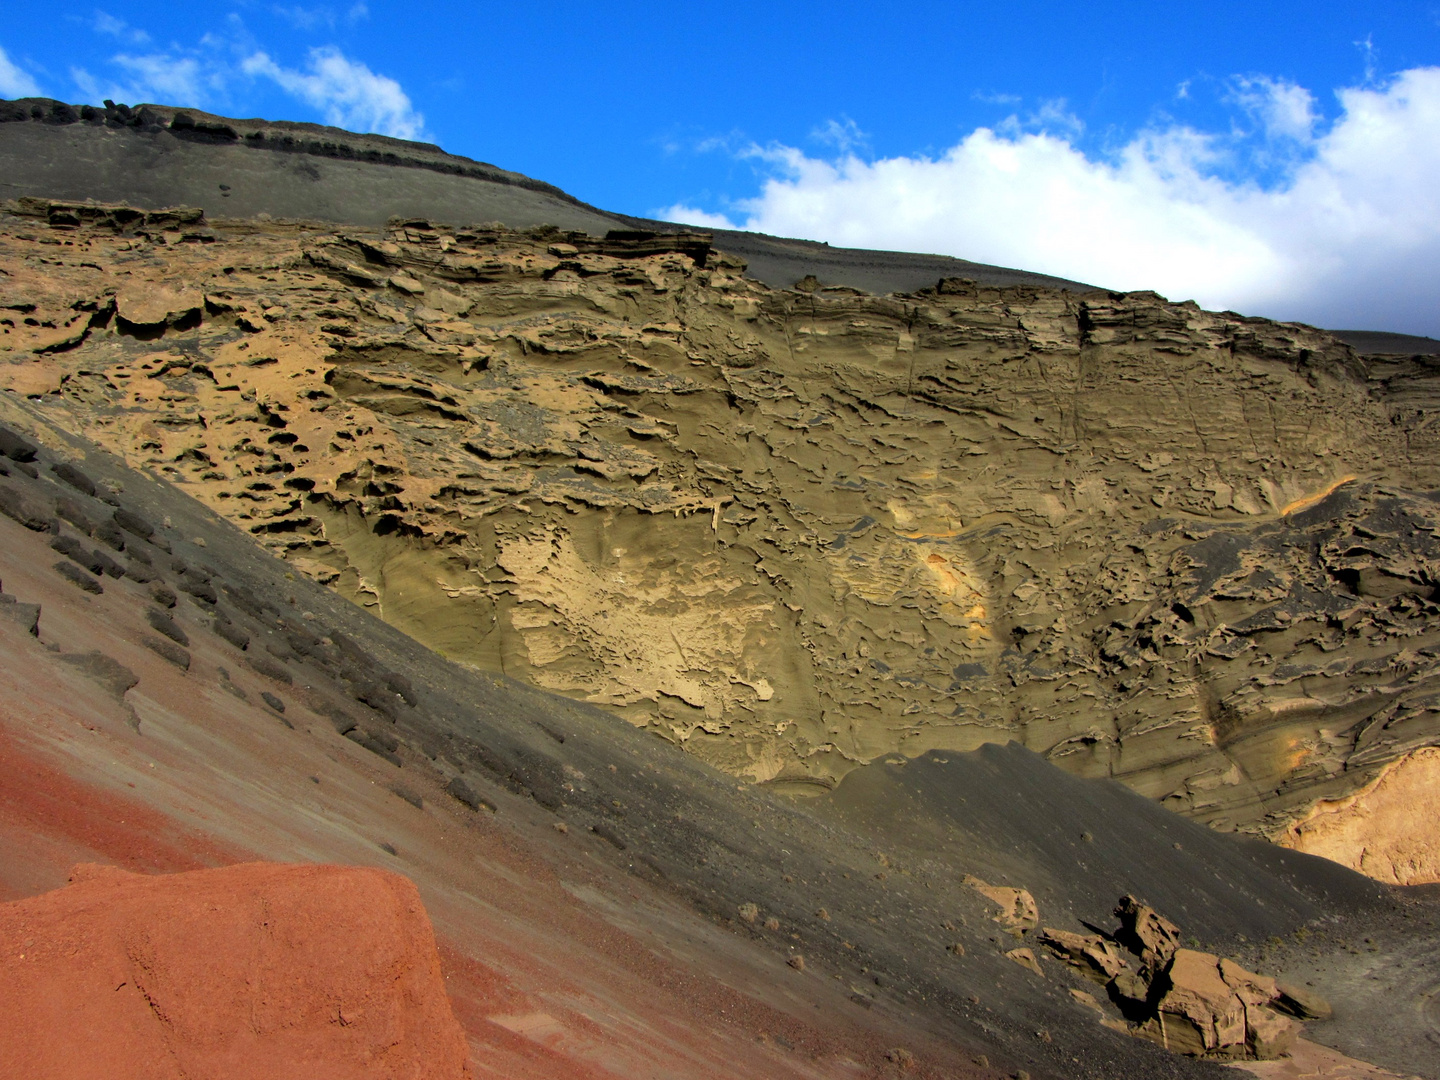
<point>249,971</point>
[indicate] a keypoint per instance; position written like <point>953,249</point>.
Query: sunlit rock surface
<point>793,530</point>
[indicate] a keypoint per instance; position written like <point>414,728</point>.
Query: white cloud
<point>990,98</point>
<point>165,78</point>
<point>1053,115</point>
<point>106,23</point>
<point>161,78</point>
<point>1349,236</point>
<point>15,82</point>
<point>1284,110</point>
<point>312,18</point>
<point>844,134</point>
<point>348,93</point>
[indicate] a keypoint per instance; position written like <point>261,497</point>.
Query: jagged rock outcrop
<point>793,530</point>
<point>1188,1001</point>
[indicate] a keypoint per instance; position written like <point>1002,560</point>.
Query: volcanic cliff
<point>795,530</point>
<point>910,536</point>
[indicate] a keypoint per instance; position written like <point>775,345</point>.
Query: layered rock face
<point>793,530</point>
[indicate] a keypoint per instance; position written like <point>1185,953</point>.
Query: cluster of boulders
<point>1188,1001</point>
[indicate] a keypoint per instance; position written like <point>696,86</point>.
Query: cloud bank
<point>1344,232</point>
<point>347,92</point>
<point>219,70</point>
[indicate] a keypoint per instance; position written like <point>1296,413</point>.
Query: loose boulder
<point>1017,907</point>
<point>1188,1001</point>
<point>15,447</point>
<point>1146,932</point>
<point>1090,954</point>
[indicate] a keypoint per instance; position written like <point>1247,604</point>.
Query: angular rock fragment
<point>1026,959</point>
<point>1188,1001</point>
<point>1197,1011</point>
<point>158,620</point>
<point>1146,932</point>
<point>1131,993</point>
<point>169,650</point>
<point>1094,956</point>
<point>1017,906</point>
<point>15,447</point>
<point>460,790</point>
<point>25,509</point>
<point>73,574</point>
<point>74,477</point>
<point>149,312</point>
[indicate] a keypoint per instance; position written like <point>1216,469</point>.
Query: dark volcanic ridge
<point>1380,343</point>
<point>160,155</point>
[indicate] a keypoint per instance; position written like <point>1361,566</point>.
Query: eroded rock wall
<point>794,531</point>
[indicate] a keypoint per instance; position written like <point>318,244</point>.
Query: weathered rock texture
<point>1188,1001</point>
<point>794,531</point>
<point>255,970</point>
<point>1389,829</point>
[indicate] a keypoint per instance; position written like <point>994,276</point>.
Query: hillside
<point>911,575</point>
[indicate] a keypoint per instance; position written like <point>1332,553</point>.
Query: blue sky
<point>1282,159</point>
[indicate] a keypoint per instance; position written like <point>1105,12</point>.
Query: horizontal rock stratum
<point>793,530</point>
<point>255,970</point>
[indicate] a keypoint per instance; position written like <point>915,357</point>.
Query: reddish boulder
<point>1090,954</point>
<point>1146,933</point>
<point>250,971</point>
<point>1214,1007</point>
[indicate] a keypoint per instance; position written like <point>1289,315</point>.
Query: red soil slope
<point>254,970</point>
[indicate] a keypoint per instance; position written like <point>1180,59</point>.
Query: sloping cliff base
<point>255,970</point>
<point>603,903</point>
